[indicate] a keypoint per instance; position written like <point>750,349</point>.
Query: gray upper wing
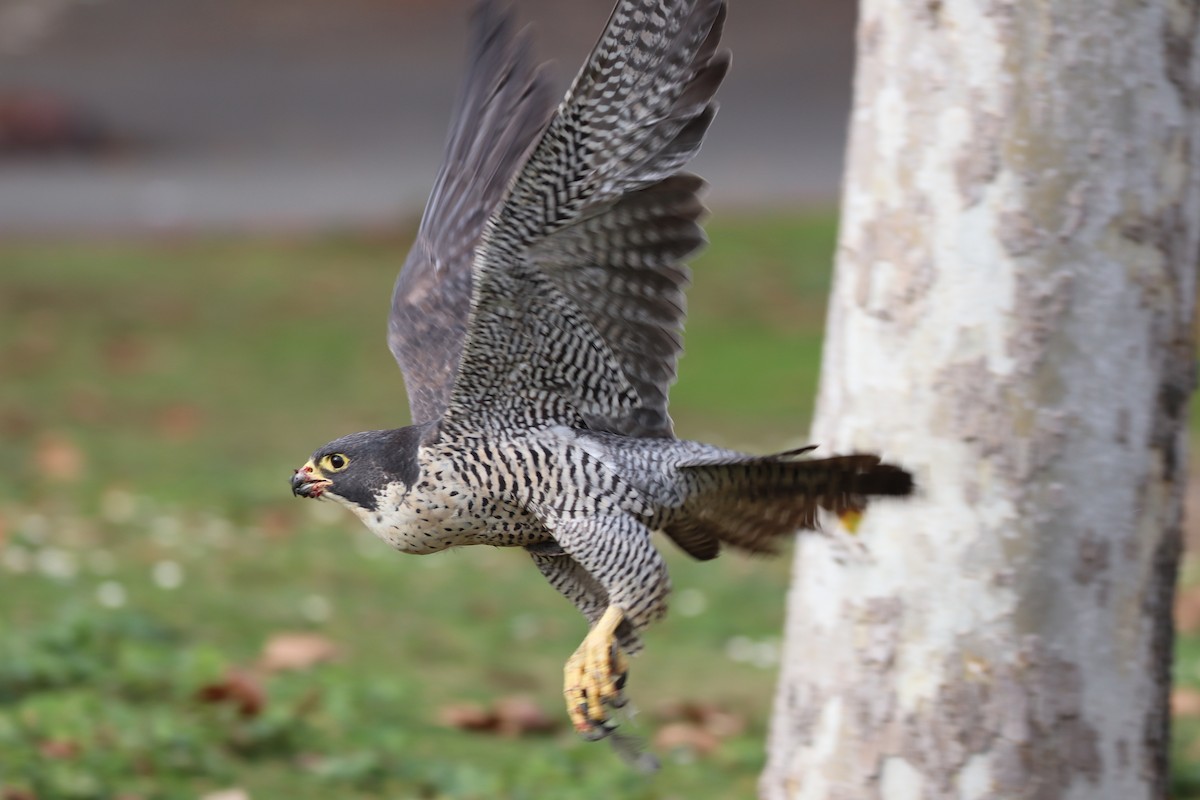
<point>503,103</point>
<point>577,300</point>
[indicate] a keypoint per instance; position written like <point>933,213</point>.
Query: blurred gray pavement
<point>294,114</point>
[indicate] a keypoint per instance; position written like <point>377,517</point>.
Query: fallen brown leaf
<point>467,717</point>
<point>17,794</point>
<point>178,422</point>
<point>1191,509</point>
<point>513,716</point>
<point>58,458</point>
<point>1187,609</point>
<point>15,422</point>
<point>1185,702</point>
<point>58,748</point>
<point>126,354</point>
<point>686,736</point>
<point>518,715</point>
<point>239,688</point>
<point>285,651</point>
<point>722,723</point>
<point>276,523</point>
<point>712,718</point>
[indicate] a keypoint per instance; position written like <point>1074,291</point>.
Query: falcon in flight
<point>537,322</point>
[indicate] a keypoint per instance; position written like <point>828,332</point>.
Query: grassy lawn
<point>156,397</point>
<point>174,623</point>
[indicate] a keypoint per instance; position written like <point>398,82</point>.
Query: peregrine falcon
<point>537,322</point>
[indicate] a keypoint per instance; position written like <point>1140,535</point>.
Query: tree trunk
<point>1011,318</point>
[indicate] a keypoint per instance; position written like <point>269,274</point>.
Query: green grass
<point>156,396</point>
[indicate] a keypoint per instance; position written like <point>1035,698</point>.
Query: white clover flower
<point>167,575</point>
<point>740,649</point>
<point>217,531</point>
<point>315,608</point>
<point>166,530</point>
<point>34,527</point>
<point>54,562</point>
<point>117,506</point>
<point>765,654</point>
<point>110,594</point>
<point>690,603</point>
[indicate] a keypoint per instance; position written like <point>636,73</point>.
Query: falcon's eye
<point>336,462</point>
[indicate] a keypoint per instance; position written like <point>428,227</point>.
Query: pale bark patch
<point>1011,319</point>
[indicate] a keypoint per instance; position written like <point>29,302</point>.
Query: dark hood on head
<point>377,459</point>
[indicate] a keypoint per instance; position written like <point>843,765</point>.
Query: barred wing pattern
<point>503,103</point>
<point>587,240</point>
<point>623,267</point>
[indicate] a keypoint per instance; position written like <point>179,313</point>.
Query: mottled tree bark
<point>1012,319</point>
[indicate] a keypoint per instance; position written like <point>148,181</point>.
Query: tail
<point>749,503</point>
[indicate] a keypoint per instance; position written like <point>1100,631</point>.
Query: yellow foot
<point>594,678</point>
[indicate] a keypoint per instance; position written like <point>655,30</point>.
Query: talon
<point>600,730</point>
<point>594,678</point>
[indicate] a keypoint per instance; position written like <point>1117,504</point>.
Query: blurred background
<point>203,206</point>
<point>224,114</point>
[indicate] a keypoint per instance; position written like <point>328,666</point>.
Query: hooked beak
<point>308,481</point>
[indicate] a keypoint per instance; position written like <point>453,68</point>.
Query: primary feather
<point>504,102</point>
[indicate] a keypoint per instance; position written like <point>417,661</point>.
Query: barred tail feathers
<point>750,503</point>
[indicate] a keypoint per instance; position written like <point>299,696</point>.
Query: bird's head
<point>359,469</point>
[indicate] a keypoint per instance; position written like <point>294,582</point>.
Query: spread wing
<point>503,103</point>
<point>577,300</point>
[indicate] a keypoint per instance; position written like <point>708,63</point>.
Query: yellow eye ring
<point>335,463</point>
